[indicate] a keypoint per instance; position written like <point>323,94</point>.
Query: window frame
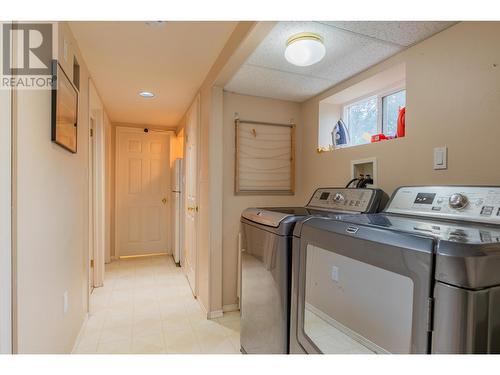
<point>379,95</point>
<point>380,106</point>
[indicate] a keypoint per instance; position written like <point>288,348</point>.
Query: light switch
<point>441,157</point>
<point>65,302</point>
<point>335,273</point>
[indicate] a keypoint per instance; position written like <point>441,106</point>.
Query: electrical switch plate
<point>441,157</point>
<point>65,49</point>
<point>335,273</point>
<point>66,302</point>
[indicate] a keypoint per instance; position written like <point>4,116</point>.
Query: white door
<point>191,196</point>
<point>142,192</point>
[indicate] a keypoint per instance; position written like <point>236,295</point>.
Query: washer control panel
<point>342,199</point>
<point>467,203</point>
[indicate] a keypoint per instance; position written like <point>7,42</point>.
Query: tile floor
<point>146,307</point>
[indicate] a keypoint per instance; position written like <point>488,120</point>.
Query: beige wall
<point>453,99</point>
<point>51,207</point>
<point>5,218</point>
<point>257,109</point>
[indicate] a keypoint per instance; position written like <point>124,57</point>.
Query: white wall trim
<point>232,307</point>
<point>215,183</point>
<point>98,193</point>
<point>215,314</point>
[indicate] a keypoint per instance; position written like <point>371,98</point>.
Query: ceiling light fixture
<point>305,49</point>
<point>155,23</point>
<point>146,94</point>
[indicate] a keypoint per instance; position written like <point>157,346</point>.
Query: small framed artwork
<point>64,109</point>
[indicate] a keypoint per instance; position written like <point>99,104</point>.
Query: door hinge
<point>430,314</point>
<point>91,132</point>
<point>92,263</point>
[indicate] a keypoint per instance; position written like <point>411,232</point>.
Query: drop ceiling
<point>170,59</point>
<point>351,47</point>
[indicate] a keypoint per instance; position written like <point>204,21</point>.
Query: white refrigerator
<point>177,210</point>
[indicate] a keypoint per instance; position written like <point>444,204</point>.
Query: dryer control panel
<point>466,203</point>
<point>343,199</point>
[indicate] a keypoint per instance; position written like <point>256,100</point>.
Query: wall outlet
<point>65,302</point>
<point>65,50</point>
<point>335,273</point>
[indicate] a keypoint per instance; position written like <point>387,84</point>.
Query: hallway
<point>146,307</point>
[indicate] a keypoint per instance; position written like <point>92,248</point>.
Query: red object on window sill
<point>401,123</point>
<point>378,137</point>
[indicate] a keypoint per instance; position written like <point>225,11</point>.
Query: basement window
<point>391,104</point>
<point>377,114</point>
<point>361,120</point>
<point>369,110</point>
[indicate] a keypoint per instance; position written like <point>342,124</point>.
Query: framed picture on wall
<point>64,109</point>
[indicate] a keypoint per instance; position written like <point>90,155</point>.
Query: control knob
<point>338,197</point>
<point>458,201</point>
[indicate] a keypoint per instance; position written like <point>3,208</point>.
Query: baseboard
<point>229,308</point>
<point>210,314</point>
<point>215,314</point>
<point>80,333</point>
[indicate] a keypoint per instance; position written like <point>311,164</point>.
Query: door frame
<point>195,106</point>
<point>6,210</point>
<point>119,130</point>
<point>97,194</point>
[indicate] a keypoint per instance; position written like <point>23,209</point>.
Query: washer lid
<point>265,216</point>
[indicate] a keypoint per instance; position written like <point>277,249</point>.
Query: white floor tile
<point>147,307</point>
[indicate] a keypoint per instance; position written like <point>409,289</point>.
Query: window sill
<point>322,149</point>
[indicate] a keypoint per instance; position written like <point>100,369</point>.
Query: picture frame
<point>64,114</point>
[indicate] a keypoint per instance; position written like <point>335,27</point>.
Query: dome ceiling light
<point>146,94</point>
<point>305,49</point>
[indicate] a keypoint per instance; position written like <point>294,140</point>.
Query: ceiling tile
<point>340,45</point>
<point>357,60</point>
<point>403,33</point>
<point>264,82</point>
<point>351,47</point>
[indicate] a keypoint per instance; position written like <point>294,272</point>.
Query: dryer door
<point>363,290</point>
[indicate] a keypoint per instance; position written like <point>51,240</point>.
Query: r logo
<point>33,52</point>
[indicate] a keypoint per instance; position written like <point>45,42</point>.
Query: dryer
<point>266,262</point>
<point>421,277</point>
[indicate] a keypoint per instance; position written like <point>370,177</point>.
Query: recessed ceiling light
<point>146,94</point>
<point>305,49</point>
<point>155,23</point>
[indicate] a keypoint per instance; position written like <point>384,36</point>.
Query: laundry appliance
<point>423,276</point>
<point>266,262</point>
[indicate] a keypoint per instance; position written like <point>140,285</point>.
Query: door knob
<point>164,200</point>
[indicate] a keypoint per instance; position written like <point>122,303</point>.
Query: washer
<point>266,262</point>
<point>421,277</point>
